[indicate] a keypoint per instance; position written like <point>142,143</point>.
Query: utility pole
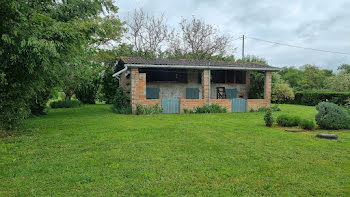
<point>243,47</point>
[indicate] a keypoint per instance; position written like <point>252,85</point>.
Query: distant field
<point>91,151</point>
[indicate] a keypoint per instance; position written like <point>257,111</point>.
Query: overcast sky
<point>320,24</point>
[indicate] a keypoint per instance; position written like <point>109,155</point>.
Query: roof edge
<point>202,67</point>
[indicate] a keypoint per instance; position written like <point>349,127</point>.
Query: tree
<point>292,76</point>
<point>313,78</point>
<point>39,39</point>
<point>147,33</point>
<point>257,79</point>
<point>281,92</point>
<point>340,82</point>
<point>345,68</point>
<point>198,40</point>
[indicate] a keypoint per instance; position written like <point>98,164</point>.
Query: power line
<point>295,46</point>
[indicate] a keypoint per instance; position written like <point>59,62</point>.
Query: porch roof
<point>193,64</point>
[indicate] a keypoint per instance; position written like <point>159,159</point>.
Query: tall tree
<point>147,33</point>
<point>344,67</point>
<point>313,78</point>
<point>38,39</point>
<point>292,76</point>
<point>198,40</point>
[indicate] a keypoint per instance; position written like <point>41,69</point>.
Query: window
<point>192,93</point>
<point>218,76</point>
<point>240,77</point>
<point>166,75</point>
<point>231,93</point>
<point>152,93</point>
<point>230,76</point>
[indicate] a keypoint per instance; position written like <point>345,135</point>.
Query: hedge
<point>313,98</point>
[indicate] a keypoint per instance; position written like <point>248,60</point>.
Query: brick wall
<point>227,103</point>
<point>191,103</point>
<point>206,85</point>
<point>257,103</point>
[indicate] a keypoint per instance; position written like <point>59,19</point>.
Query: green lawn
<point>91,151</point>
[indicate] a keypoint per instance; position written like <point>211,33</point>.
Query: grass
<point>91,151</point>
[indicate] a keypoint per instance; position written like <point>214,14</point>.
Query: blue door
<point>239,105</point>
<point>171,105</point>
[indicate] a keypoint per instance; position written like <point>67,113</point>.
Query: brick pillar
<point>134,88</point>
<point>142,87</point>
<point>267,92</point>
<point>206,85</point>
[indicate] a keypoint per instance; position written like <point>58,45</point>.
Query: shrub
<point>213,108</point>
<point>331,116</point>
<point>307,124</point>
<point>148,109</point>
<point>65,104</point>
<point>121,103</point>
<point>288,120</point>
<point>268,118</point>
<point>109,86</point>
<point>122,110</point>
<point>275,108</point>
<point>313,98</point>
<point>281,92</point>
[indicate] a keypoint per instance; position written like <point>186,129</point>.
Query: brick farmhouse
<point>176,85</point>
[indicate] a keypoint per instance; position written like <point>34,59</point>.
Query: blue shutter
<point>231,93</point>
<point>192,93</point>
<point>152,93</point>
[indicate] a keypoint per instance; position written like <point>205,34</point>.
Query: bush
<point>268,118</point>
<point>122,110</point>
<point>288,120</point>
<point>213,108</point>
<point>331,116</point>
<point>281,92</point>
<point>313,98</point>
<point>65,104</point>
<point>121,103</point>
<point>148,109</point>
<point>307,124</point>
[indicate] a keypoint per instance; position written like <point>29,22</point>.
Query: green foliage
<point>307,124</point>
<point>331,116</point>
<point>39,39</point>
<point>121,102</point>
<point>65,104</point>
<point>213,108</point>
<point>268,118</point>
<point>344,68</point>
<point>253,59</point>
<point>293,76</point>
<point>256,86</point>
<point>148,109</point>
<point>281,92</point>
<point>288,120</point>
<point>313,78</point>
<point>340,82</point>
<point>109,85</point>
<point>312,98</point>
<point>87,88</point>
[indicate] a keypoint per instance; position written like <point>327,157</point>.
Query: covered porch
<point>177,89</point>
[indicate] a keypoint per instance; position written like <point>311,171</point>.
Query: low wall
<point>227,103</point>
<point>190,103</point>
<point>257,103</point>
